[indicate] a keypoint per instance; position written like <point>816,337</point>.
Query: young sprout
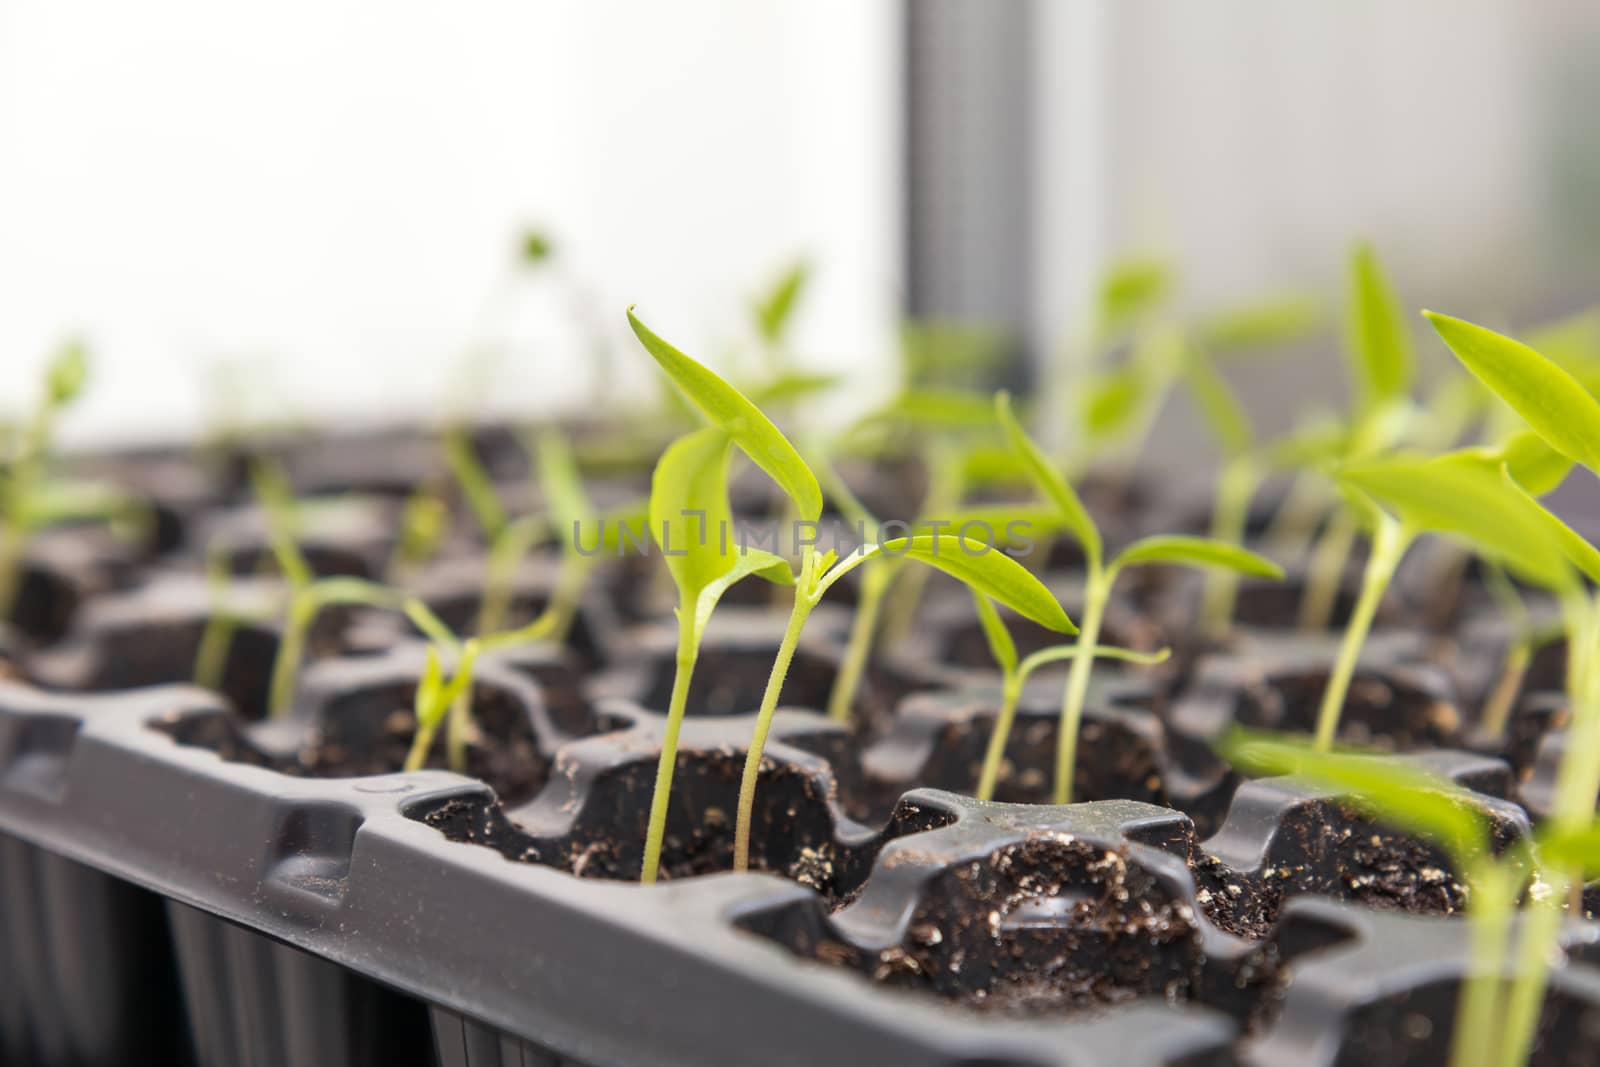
<point>1181,551</point>
<point>1493,1026</point>
<point>1382,367</point>
<point>1470,496</point>
<point>976,565</point>
<point>1566,416</point>
<point>424,523</point>
<point>309,595</point>
<point>690,516</point>
<point>24,468</point>
<point>1014,675</point>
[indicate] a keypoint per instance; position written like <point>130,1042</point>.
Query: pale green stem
<point>875,581</point>
<point>1095,596</point>
<point>1229,517</point>
<point>211,658</point>
<point>459,730</point>
<point>421,744</point>
<point>510,545</point>
<point>1503,698</point>
<point>291,649</point>
<point>668,761</point>
<point>995,755</point>
<point>1289,533</point>
<point>1389,544</point>
<point>803,604</point>
<point>1325,573</point>
<point>1489,911</point>
<point>1541,923</point>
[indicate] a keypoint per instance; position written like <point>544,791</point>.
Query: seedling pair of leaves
<point>689,513</point>
<point>30,500</point>
<point>1494,1025</point>
<point>1102,575</point>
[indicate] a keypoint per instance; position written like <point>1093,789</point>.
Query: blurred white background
<point>331,189</point>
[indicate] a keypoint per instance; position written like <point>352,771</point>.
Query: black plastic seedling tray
<point>160,899</point>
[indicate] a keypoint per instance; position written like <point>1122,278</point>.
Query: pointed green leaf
<point>1218,404</point>
<point>67,373</point>
<point>689,512</point>
<point>1050,483</point>
<point>1379,343</point>
<point>427,706</point>
<point>1197,552</point>
<point>728,410</point>
<point>1531,462</point>
<point>1396,792</point>
<point>1131,290</point>
<point>746,562</point>
<point>1571,850</point>
<point>1001,646</point>
<point>562,485</point>
<point>1577,549</point>
<point>1462,497</point>
<point>1111,400</point>
<point>1266,324</point>
<point>1551,400</point>
<point>979,567</point>
<point>794,385</point>
<point>774,309</point>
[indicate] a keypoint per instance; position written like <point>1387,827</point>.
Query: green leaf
<point>938,409</point>
<point>794,385</point>
<point>1006,524</point>
<point>774,309</point>
<point>748,561</point>
<point>1270,323</point>
<point>1111,400</point>
<point>562,485</point>
<point>1131,290</point>
<point>1379,343</point>
<point>1050,483</point>
<point>692,477</point>
<point>1461,496</point>
<point>533,247</point>
<point>67,373</point>
<point>428,706</point>
<point>1571,850</point>
<point>1551,400</point>
<point>980,568</point>
<point>633,517</point>
<point>1531,462</point>
<point>1197,552</point>
<point>728,410</point>
<point>1577,549</point>
<point>1217,402</point>
<point>1001,646</point>
<point>1397,793</point>
<point>483,500</point>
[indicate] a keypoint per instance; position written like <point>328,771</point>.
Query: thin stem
<point>803,603</point>
<point>992,758</point>
<point>1325,573</point>
<point>1477,1030</point>
<point>510,545</point>
<point>458,734</point>
<point>291,649</point>
<point>1235,489</point>
<point>1389,544</point>
<point>1497,708</point>
<point>211,657</point>
<point>1095,597</point>
<point>1289,532</point>
<point>1541,923</point>
<point>875,582</point>
<point>421,745</point>
<point>655,835</point>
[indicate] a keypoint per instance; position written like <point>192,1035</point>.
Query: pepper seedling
<point>1176,550</point>
<point>1014,675</point>
<point>1494,1025</point>
<point>990,572</point>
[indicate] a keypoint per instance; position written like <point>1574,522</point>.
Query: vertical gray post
<point>969,163</point>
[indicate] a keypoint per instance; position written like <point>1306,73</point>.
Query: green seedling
<point>1566,416</point>
<point>728,411</point>
<point>1014,674</point>
<point>1492,1027</point>
<point>424,524</point>
<point>689,517</point>
<point>1179,551</point>
<point>216,639</point>
<point>24,472</point>
<point>1381,366</point>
